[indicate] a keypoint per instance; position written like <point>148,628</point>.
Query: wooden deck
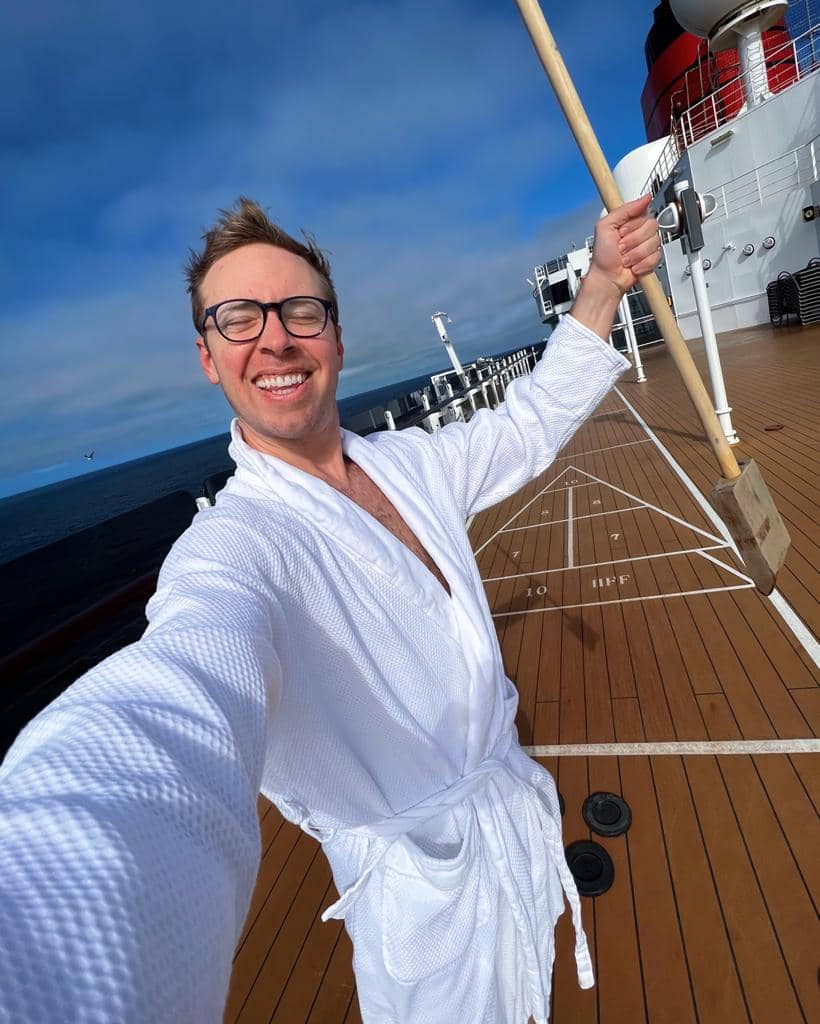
<point>624,617</point>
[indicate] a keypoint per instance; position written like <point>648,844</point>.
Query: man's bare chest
<point>372,499</point>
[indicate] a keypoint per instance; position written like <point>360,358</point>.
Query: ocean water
<point>34,519</point>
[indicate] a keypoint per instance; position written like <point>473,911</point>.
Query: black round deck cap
<point>561,803</point>
<point>607,814</point>
<point>591,867</point>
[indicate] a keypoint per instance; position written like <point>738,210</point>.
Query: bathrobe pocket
<point>431,906</point>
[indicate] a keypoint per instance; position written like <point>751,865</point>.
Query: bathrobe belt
<point>385,831</point>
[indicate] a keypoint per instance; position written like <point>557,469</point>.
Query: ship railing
<point>541,292</point>
<point>783,66</point>
<point>670,154</point>
<point>795,169</point>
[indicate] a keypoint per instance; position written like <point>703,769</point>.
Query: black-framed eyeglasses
<point>302,316</point>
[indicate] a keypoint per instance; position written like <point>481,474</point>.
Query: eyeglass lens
<point>244,320</point>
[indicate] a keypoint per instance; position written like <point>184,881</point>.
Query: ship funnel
<point>728,24</point>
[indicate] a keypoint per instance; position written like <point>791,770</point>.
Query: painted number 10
<point>540,591</point>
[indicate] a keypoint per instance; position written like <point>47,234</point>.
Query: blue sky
<point>419,142</point>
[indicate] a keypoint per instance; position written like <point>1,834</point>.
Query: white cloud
<point>418,142</point>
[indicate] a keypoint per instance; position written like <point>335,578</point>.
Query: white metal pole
<point>722,408</point>
<point>632,341</point>
<point>439,320</point>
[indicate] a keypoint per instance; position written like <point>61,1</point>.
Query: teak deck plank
<point>768,994</point>
<point>796,817</point>
<point>716,986</point>
<point>290,940</point>
<point>569,1002</point>
<point>667,984</point>
<point>781,885</point>
<point>712,917</point>
<point>299,995</point>
<point>619,981</point>
<point>276,905</point>
<point>337,988</point>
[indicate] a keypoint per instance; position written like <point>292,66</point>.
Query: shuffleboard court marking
<point>552,490</point>
<point>501,529</point>
<point>594,451</point>
<point>612,561</point>
<point>675,748</point>
<point>623,600</point>
<point>591,515</point>
<point>728,568</point>
<point>572,478</point>
<point>570,553</point>
<point>648,504</point>
<point>789,616</point>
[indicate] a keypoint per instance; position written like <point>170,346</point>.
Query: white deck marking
<point>612,561</point>
<point>713,747</point>
<point>802,633</point>
<point>624,600</point>
<point>728,568</point>
<point>540,494</point>
<point>592,515</point>
<point>593,451</point>
<point>562,490</point>
<point>570,553</point>
<point>648,504</point>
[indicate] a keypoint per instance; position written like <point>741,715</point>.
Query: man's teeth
<point>269,383</point>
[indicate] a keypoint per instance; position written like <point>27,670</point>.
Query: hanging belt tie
<point>385,831</point>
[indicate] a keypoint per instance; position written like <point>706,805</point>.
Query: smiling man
<point>282,388</point>
<point>322,635</point>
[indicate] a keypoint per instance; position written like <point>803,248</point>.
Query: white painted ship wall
<point>737,283</point>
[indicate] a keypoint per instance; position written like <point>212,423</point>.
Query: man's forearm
<point>597,303</point>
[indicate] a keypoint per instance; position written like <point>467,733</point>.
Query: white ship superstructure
<point>758,156</point>
<point>753,142</point>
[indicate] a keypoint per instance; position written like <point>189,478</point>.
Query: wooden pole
<point>602,176</point>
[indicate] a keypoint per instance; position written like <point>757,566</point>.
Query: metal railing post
<point>722,408</point>
<point>631,339</point>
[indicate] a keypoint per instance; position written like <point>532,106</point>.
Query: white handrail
<point>704,116</point>
<point>792,169</point>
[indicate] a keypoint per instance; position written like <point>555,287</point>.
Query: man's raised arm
<point>498,452</point>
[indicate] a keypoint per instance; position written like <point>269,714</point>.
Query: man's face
<point>272,418</point>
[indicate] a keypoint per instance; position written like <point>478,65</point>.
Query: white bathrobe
<point>295,645</point>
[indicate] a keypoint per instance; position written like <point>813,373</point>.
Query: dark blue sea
<point>33,519</point>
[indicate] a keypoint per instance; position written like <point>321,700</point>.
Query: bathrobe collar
<point>339,517</point>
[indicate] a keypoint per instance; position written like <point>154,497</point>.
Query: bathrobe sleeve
<point>129,836</point>
<point>496,453</point>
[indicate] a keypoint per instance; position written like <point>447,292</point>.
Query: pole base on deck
<point>749,512</point>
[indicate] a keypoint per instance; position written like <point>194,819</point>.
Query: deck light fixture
<point>723,137</point>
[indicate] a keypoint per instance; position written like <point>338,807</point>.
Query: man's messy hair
<point>245,224</point>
